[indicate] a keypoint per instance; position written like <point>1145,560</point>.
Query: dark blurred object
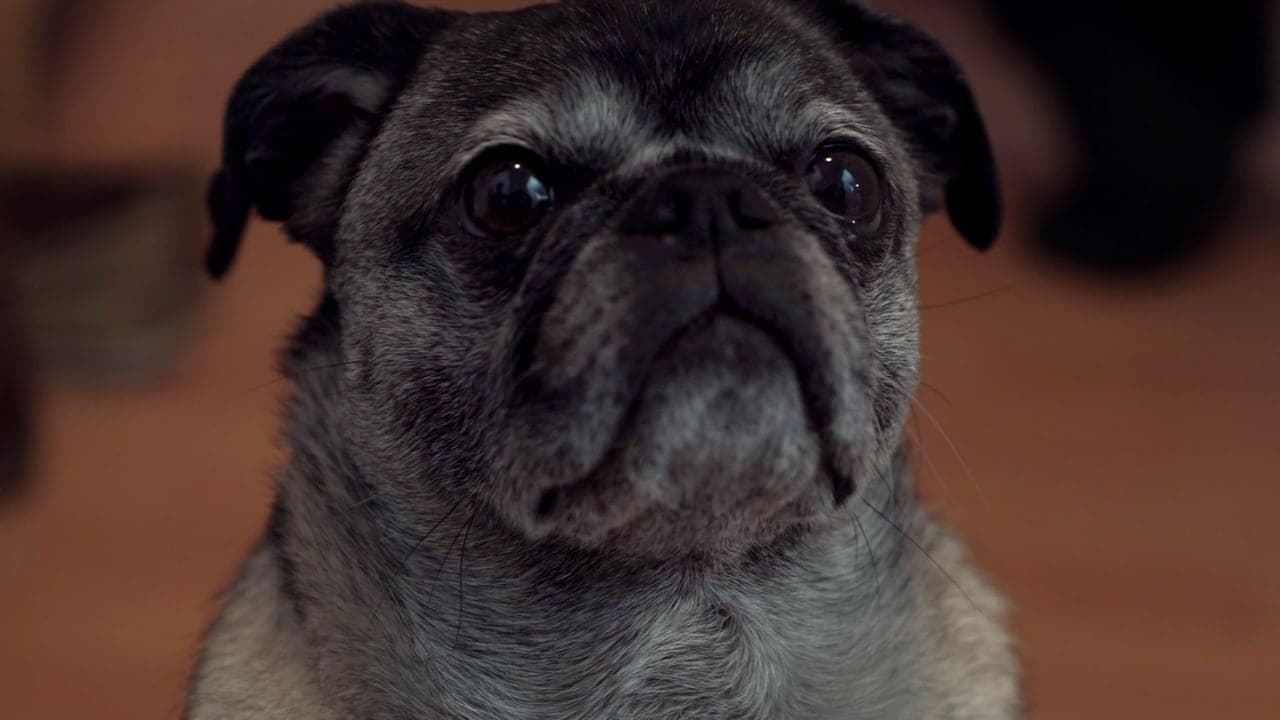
<point>107,269</point>
<point>19,20</point>
<point>1161,95</point>
<point>14,392</point>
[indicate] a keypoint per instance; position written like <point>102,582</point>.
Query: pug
<point>601,412</point>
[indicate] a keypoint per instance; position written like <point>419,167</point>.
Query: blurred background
<point>1099,414</point>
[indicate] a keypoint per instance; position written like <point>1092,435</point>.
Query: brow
<point>589,117</point>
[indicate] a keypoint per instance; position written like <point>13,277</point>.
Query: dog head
<point>636,275</point>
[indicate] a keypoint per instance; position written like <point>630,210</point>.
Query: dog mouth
<point>726,384</point>
<point>729,339</point>
<point>741,357</point>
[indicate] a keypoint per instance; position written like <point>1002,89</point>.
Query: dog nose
<point>699,204</point>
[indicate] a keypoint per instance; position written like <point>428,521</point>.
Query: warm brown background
<point>1121,438</point>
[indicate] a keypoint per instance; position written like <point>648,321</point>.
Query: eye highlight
<point>506,192</point>
<point>846,184</point>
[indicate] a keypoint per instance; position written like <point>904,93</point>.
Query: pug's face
<point>635,275</point>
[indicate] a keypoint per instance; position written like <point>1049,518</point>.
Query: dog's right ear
<point>300,119</point>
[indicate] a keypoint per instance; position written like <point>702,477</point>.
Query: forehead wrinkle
<point>794,101</point>
<point>659,151</point>
<point>831,120</point>
<point>590,117</point>
<point>775,108</point>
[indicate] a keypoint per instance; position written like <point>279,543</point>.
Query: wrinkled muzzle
<point>697,376</point>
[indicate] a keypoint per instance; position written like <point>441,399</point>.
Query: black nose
<point>699,203</point>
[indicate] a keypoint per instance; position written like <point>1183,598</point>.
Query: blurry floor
<point>1121,461</point>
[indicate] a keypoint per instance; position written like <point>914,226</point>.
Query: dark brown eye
<point>506,193</point>
<point>846,184</point>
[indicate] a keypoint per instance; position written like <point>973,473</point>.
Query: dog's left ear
<point>299,120</point>
<point>927,97</point>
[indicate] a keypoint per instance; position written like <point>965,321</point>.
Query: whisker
<point>418,545</point>
<point>365,501</point>
<point>265,385</point>
<point>928,459</point>
<point>893,496</point>
<point>967,299</point>
<point>462,559</point>
<point>299,373</point>
<point>914,543</point>
<point>435,579</point>
<point>871,553</point>
<point>964,466</point>
<point>927,245</point>
<point>937,392</point>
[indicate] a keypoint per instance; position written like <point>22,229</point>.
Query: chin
<point>717,452</point>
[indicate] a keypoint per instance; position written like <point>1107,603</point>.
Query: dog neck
<point>467,620</point>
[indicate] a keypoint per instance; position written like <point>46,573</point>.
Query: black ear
<point>927,97</point>
<point>300,119</point>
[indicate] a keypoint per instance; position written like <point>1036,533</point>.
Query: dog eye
<point>506,193</point>
<point>846,184</point>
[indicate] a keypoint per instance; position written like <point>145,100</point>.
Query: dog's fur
<point>528,478</point>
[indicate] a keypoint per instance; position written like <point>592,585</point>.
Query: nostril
<point>841,488</point>
<point>751,209</point>
<point>547,504</point>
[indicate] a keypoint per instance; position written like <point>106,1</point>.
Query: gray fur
<point>695,562</point>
